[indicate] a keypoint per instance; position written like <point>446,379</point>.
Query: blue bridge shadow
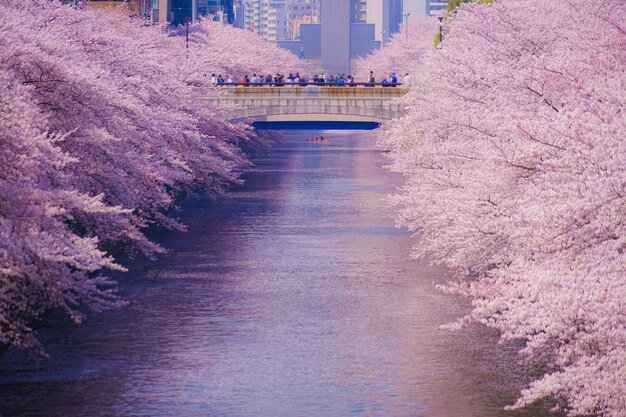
<point>314,125</point>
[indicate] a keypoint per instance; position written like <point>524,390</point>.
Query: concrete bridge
<point>310,103</point>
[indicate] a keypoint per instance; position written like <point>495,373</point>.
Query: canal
<point>292,296</point>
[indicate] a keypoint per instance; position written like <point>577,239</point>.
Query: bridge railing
<point>306,84</point>
<point>362,90</point>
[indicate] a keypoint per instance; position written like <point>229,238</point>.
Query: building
<point>301,12</point>
<point>414,7</point>
<point>276,19</point>
<point>256,14</point>
<point>278,27</point>
<point>335,53</point>
<point>156,10</point>
<point>132,7</point>
<point>250,15</point>
<point>296,24</point>
<point>386,15</point>
<point>336,40</point>
<point>177,12</point>
<point>358,11</point>
<point>304,9</point>
<point>436,7</point>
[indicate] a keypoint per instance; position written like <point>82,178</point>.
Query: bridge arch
<point>292,104</point>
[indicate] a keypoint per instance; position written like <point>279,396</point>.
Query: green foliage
<point>437,40</point>
<point>453,4</point>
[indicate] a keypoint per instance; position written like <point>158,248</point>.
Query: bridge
<point>309,103</point>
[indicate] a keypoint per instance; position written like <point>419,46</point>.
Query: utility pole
<point>187,32</point>
<point>406,27</point>
<point>440,28</point>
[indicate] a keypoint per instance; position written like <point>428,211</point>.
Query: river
<point>292,296</point>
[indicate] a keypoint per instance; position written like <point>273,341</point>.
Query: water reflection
<point>291,297</point>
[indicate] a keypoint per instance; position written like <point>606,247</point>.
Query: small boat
<point>320,139</point>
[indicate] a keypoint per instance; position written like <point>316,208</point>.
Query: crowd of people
<point>279,80</point>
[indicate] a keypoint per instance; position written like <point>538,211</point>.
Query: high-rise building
<point>181,11</point>
<point>336,40</point>
<point>276,19</point>
<point>386,15</point>
<point>251,15</point>
<point>301,9</point>
<point>256,14</point>
<point>436,7</point>
<point>131,7</point>
<point>238,12</point>
<point>336,36</point>
<point>358,11</point>
<point>278,27</point>
<point>414,7</point>
<point>301,12</point>
<point>395,15</point>
<point>177,12</point>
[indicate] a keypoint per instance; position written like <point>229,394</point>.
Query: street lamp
<point>406,26</point>
<point>382,39</point>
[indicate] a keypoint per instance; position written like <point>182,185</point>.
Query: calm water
<point>294,296</point>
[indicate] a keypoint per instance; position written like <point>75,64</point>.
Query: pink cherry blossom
<point>102,127</point>
<point>405,52</point>
<point>514,155</point>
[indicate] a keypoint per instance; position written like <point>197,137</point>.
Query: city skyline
<point>329,41</point>
<point>278,20</point>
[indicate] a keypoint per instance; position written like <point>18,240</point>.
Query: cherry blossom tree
<point>101,130</point>
<point>404,53</point>
<point>226,50</point>
<point>514,155</point>
<point>44,262</point>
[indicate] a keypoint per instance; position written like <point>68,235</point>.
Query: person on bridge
<point>371,80</point>
<point>394,79</point>
<point>406,81</point>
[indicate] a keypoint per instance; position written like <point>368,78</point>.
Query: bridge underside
<point>375,111</point>
<point>309,109</point>
<point>310,117</point>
